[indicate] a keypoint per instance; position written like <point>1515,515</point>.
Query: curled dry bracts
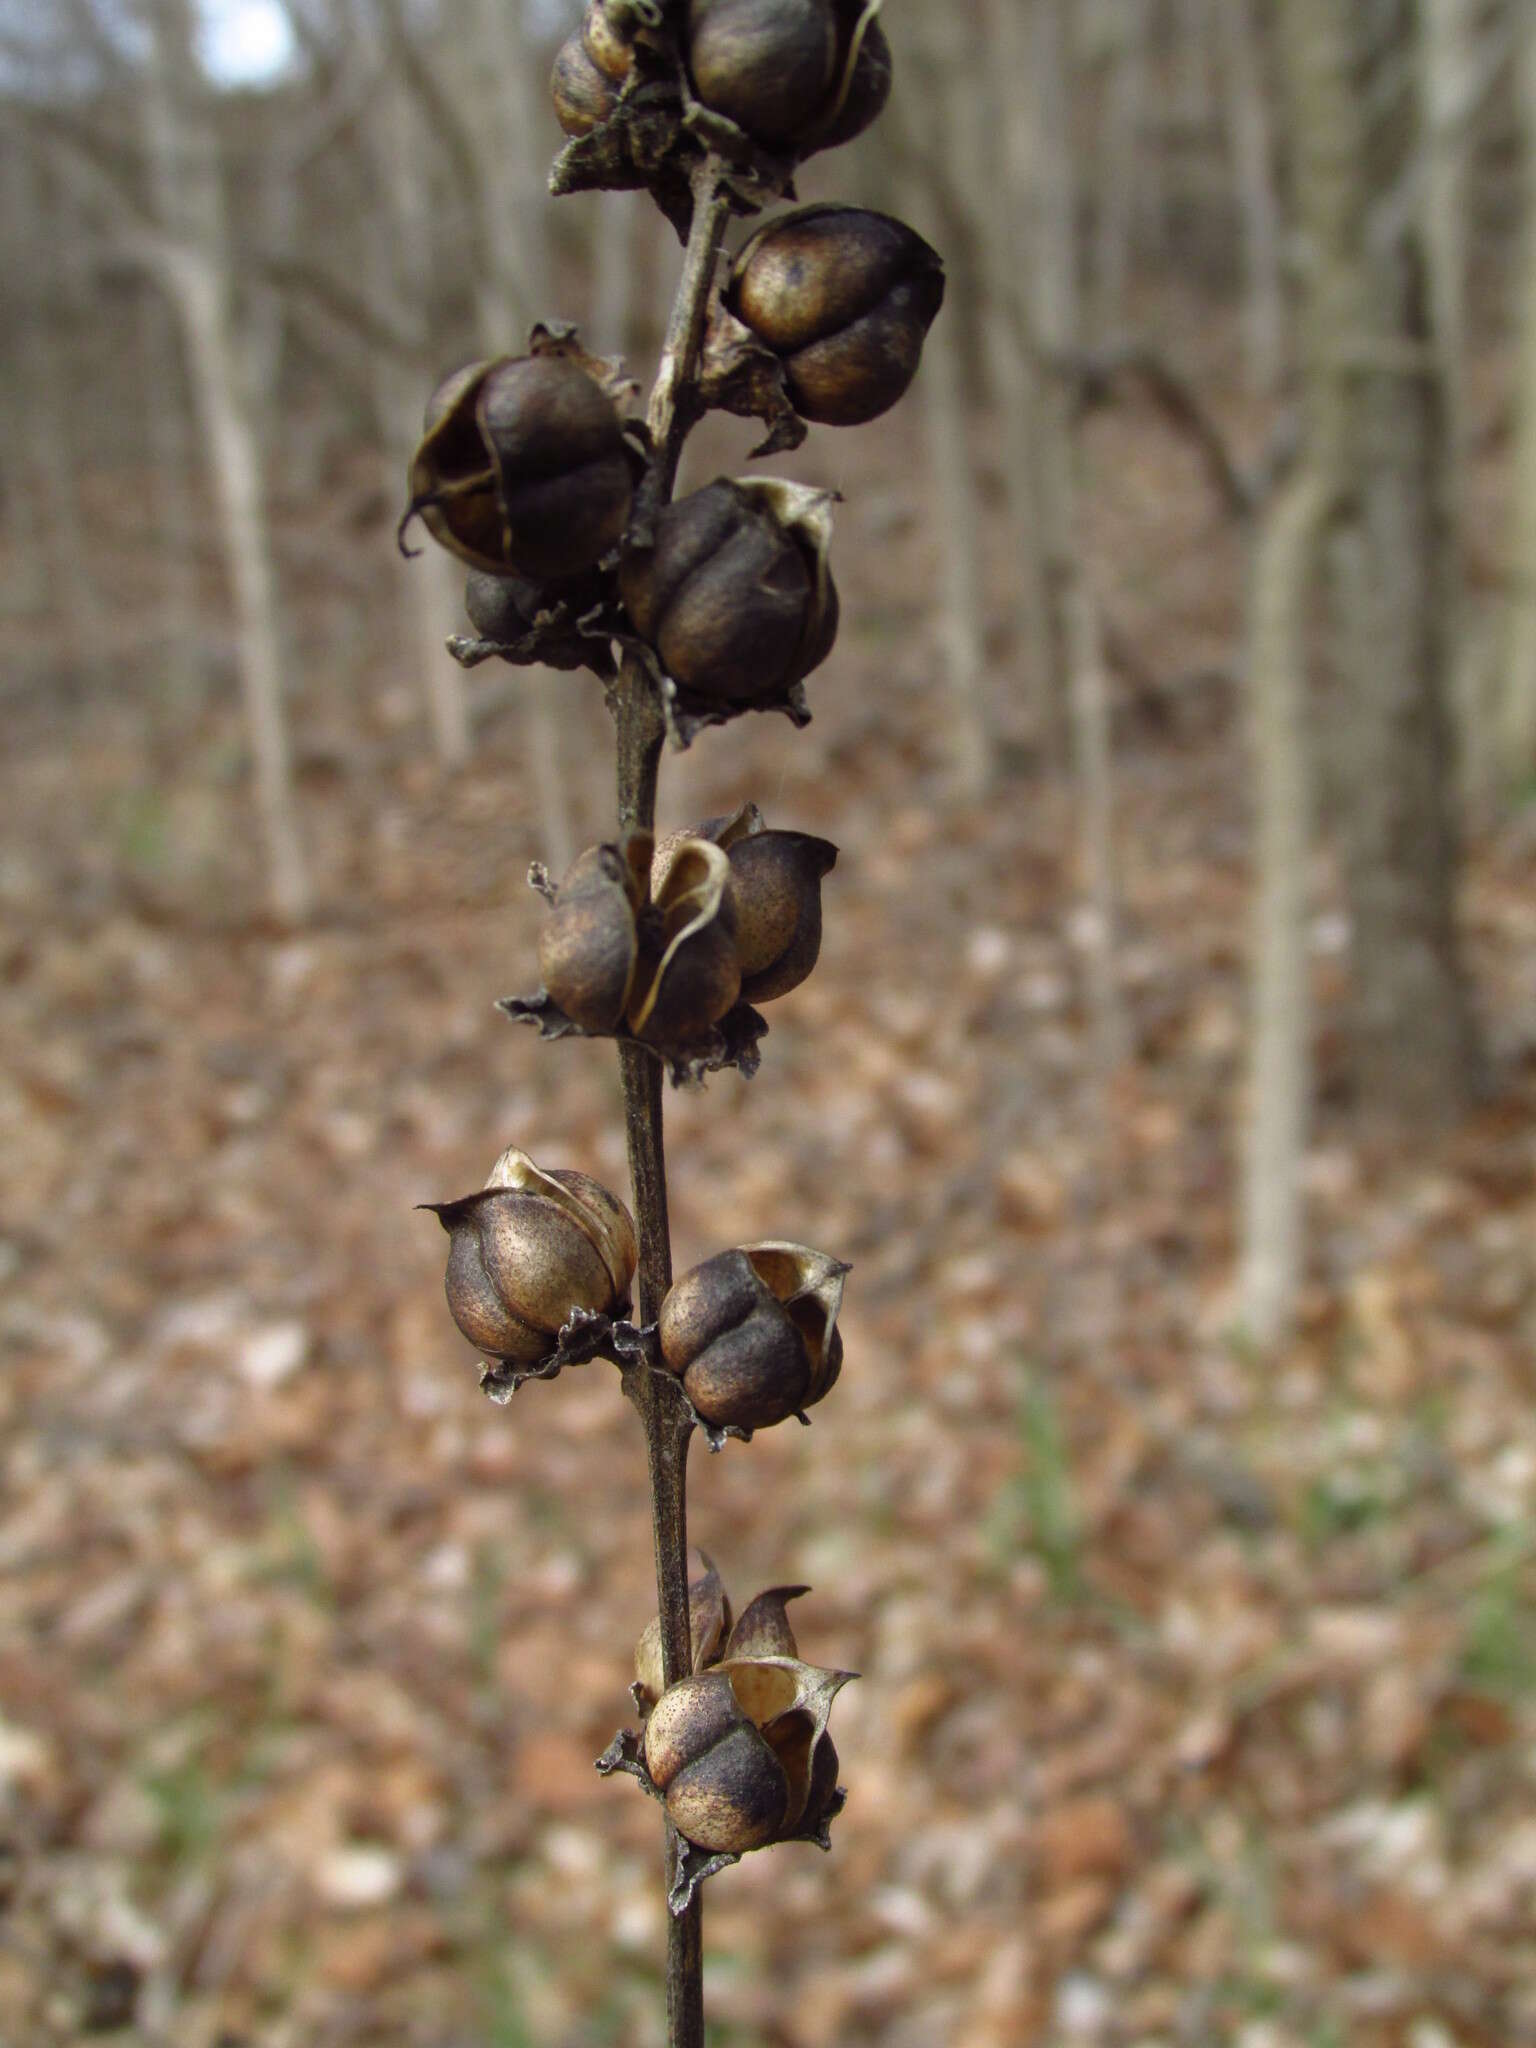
<point>738,1749</point>
<point>525,466</point>
<point>752,1334</point>
<point>843,297</point>
<point>735,595</point>
<point>530,1255</point>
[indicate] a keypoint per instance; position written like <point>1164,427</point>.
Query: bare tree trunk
<point>60,552</point>
<point>402,244</point>
<point>195,271</point>
<point>1058,318</point>
<point>1249,138</point>
<point>1192,92</point>
<point>1517,718</point>
<point>1014,370</point>
<point>972,741</point>
<point>1119,160</point>
<point>1280,1049</point>
<point>1448,89</point>
<point>171,457</point>
<point>1375,392</point>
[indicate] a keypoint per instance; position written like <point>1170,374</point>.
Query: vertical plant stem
<point>641,732</point>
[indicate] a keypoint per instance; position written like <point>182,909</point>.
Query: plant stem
<point>640,736</point>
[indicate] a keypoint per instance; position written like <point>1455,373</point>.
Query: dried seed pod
<point>688,976</point>
<point>735,594</point>
<point>661,963</point>
<point>799,75</point>
<point>737,1751</point>
<point>752,1333</point>
<point>500,607</point>
<point>844,297</point>
<point>589,946</point>
<point>529,1248</point>
<point>590,69</point>
<point>776,887</point>
<point>523,467</point>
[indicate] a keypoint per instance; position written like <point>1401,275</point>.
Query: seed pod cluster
<point>796,75</point>
<point>752,1333</point>
<point>530,1248</point>
<point>523,468</point>
<point>735,594</point>
<point>844,297</point>
<point>739,1747</point>
<point>663,944</point>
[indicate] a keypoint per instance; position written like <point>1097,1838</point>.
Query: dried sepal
<point>741,375</point>
<point>762,1628</point>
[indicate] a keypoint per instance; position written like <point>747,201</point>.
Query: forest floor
<point>1198,1701</point>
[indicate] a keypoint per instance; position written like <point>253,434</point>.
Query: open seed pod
<point>844,297</point>
<point>735,594</point>
<point>776,886</point>
<point>795,75</point>
<point>662,964</point>
<point>524,467</point>
<point>752,1333</point>
<point>531,1250</point>
<point>733,1751</point>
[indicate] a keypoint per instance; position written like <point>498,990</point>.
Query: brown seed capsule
<point>660,962</point>
<point>732,597</point>
<point>589,946</point>
<point>799,75</point>
<point>738,1751</point>
<point>590,69</point>
<point>844,297</point>
<point>529,1248</point>
<point>776,888</point>
<point>752,1333</point>
<point>523,467</point>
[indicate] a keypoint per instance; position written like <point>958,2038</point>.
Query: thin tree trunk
<point>1251,145</point>
<point>971,738</point>
<point>1279,1043</point>
<point>195,271</point>
<point>1058,318</point>
<point>1517,710</point>
<point>1120,161</point>
<point>1376,396</point>
<point>1014,371</point>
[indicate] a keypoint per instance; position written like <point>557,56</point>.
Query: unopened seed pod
<point>590,69</point>
<point>844,297</point>
<point>752,1333</point>
<point>529,1248</point>
<point>799,75</point>
<point>523,467</point>
<point>735,599</point>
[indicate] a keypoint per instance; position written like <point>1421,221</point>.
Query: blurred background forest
<point>1169,1074</point>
